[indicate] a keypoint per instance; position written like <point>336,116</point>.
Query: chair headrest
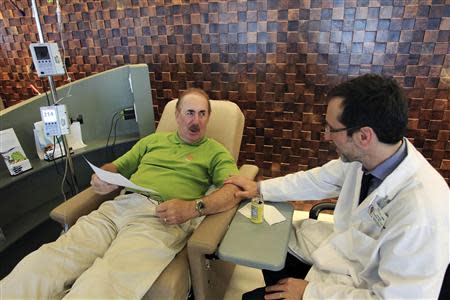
<point>226,123</point>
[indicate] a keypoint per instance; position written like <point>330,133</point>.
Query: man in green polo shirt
<point>119,250</point>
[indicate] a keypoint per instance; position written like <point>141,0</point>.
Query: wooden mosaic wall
<point>274,58</point>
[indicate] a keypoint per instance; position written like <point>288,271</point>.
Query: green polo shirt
<point>164,163</point>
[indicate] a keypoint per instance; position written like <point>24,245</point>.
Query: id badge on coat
<point>377,215</point>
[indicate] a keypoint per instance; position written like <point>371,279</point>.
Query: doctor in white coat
<point>390,237</point>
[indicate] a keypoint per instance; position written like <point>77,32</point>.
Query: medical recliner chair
<point>196,265</point>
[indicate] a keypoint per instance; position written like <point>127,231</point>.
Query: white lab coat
<point>404,258</point>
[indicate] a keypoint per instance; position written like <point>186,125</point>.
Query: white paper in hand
<point>117,179</point>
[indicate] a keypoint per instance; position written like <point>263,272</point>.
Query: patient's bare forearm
<point>110,167</point>
<point>221,200</point>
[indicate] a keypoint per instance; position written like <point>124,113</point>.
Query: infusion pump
<point>46,59</point>
<point>56,121</point>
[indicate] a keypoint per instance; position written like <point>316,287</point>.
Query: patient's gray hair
<point>193,91</point>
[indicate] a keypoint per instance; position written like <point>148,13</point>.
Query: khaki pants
<point>117,251</point>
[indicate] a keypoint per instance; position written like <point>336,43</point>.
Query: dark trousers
<point>292,268</point>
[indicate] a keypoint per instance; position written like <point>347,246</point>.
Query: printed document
<point>117,179</point>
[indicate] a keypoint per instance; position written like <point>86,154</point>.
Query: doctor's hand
<point>248,187</point>
<point>287,288</point>
<point>100,187</point>
<point>176,211</point>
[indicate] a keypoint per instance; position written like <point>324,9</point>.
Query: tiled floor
<point>244,279</point>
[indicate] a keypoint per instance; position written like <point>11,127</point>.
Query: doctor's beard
<point>347,157</point>
<point>344,158</point>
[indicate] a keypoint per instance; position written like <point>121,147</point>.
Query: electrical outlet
<point>128,113</point>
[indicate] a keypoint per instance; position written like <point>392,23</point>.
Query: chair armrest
<point>206,239</point>
<point>210,232</point>
<point>213,227</point>
<point>249,171</point>
<point>79,205</point>
<point>316,209</point>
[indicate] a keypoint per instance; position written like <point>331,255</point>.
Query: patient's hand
<point>101,187</point>
<point>248,187</point>
<point>176,211</point>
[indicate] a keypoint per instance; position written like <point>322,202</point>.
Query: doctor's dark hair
<point>375,101</point>
<point>193,91</point>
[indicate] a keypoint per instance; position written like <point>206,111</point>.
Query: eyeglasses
<point>328,129</point>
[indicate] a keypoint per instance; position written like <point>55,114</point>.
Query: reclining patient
<point>119,250</point>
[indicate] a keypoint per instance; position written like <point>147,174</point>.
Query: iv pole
<point>55,98</point>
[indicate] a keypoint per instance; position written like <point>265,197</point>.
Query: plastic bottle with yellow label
<point>257,210</point>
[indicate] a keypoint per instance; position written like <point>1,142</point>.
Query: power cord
<point>115,136</point>
<point>127,113</point>
<point>63,175</point>
<point>110,148</point>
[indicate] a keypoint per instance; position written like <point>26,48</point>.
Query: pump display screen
<point>46,59</point>
<point>48,115</point>
<point>41,52</point>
